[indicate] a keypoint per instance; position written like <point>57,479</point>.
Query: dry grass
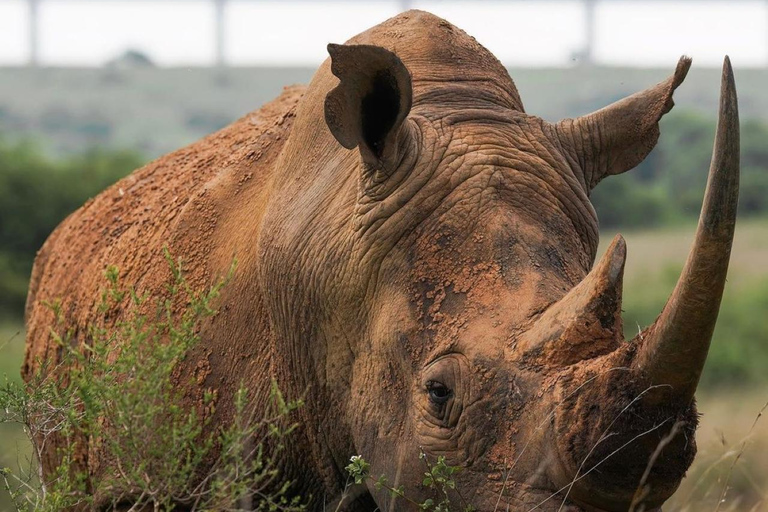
<point>731,470</point>
<point>651,252</point>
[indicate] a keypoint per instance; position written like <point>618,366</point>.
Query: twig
<point>642,491</point>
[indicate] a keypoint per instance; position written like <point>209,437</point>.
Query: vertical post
<point>34,33</point>
<point>405,5</point>
<point>589,24</point>
<point>219,6</point>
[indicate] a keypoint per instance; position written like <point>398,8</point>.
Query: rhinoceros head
<point>443,289</point>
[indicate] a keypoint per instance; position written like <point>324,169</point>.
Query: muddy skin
<point>416,260</point>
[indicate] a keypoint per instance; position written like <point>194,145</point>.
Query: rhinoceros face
<point>459,301</point>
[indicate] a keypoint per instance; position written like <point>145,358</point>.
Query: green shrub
<point>438,477</point>
<point>117,394</point>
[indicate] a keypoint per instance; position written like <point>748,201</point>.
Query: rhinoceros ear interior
<point>373,98</point>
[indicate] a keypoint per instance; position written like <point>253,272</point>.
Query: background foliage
<point>668,186</point>
<point>36,193</point>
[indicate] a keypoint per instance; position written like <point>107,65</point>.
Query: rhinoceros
<point>416,259</point>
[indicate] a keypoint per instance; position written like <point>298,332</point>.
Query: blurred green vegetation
<point>36,193</point>
<point>668,186</point>
<point>738,355</point>
<point>14,444</point>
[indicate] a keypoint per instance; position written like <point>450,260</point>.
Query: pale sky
<point>295,33</point>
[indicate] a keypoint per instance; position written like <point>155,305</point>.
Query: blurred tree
<point>35,195</point>
<point>628,202</point>
<point>669,184</point>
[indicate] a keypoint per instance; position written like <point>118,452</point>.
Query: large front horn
<point>674,348</point>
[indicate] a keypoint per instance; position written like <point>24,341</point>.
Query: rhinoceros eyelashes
<point>441,393</point>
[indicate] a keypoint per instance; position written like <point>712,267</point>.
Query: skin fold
<point>415,259</point>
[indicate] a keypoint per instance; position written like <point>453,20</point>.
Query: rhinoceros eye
<point>438,392</point>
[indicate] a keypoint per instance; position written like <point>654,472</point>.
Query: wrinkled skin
<point>415,255</point>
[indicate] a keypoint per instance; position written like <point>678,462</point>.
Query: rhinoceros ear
<point>616,138</point>
<point>373,98</point>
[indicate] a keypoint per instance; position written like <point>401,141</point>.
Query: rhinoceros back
<point>177,202</point>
